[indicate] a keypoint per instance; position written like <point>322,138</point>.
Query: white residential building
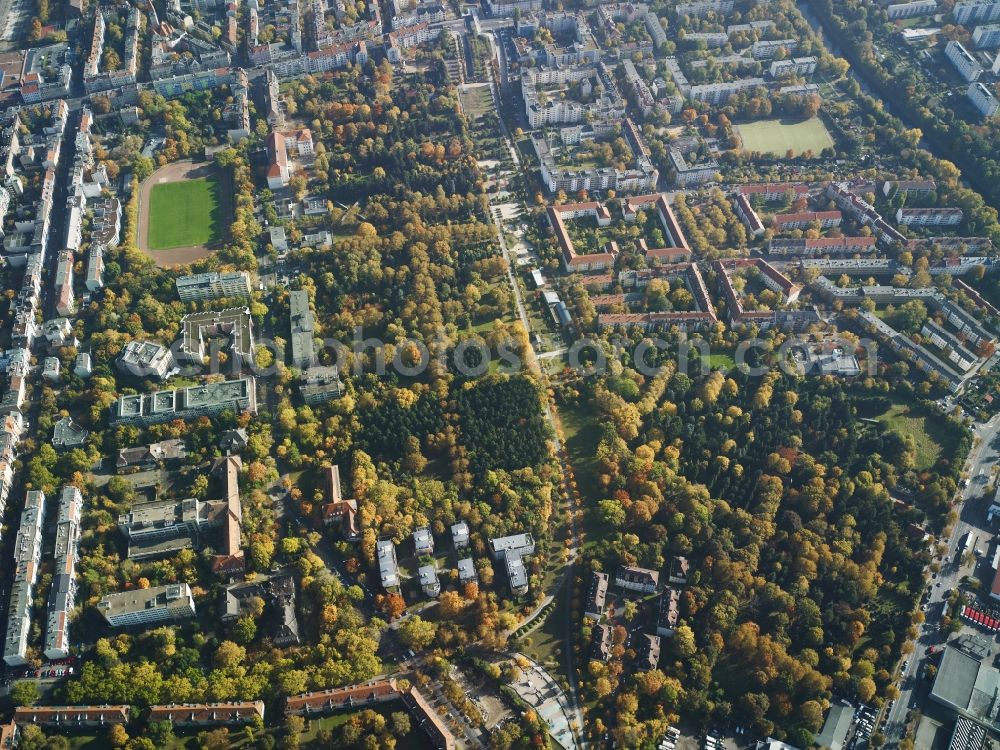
<point>976,10</point>
<point>802,66</point>
<point>964,63</point>
<point>929,217</point>
<point>987,37</point>
<point>982,98</point>
<point>910,10</point>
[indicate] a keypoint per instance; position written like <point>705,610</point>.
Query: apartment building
<point>213,285</point>
<point>96,79</point>
<point>719,93</point>
<point>27,558</point>
<point>669,613</point>
<point>429,582</point>
<point>319,384</point>
<point>467,571</point>
<point>863,212</point>
<point>804,219</point>
<point>71,717</point>
<point>701,8</point>
<point>711,39</point>
<point>773,191</point>
<point>639,580</point>
<point>95,268</point>
<point>301,316</point>
<point>918,188</point>
<point>62,595</point>
<point>388,567</point>
<point>594,81</point>
<point>147,606</point>
<point>929,217</point>
<point>641,176</point>
<point>807,248</point>
<point>899,11</point>
<point>987,37</point>
<point>767,49</point>
<point>597,595</point>
<point>208,714</point>
<point>688,175</point>
<point>749,217</point>
<point>512,550</point>
<point>460,535</point>
<point>795,66</point>
<point>423,541</point>
<point>982,98</point>
<point>964,62</point>
<point>974,11</point>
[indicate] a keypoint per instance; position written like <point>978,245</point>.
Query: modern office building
<point>145,606</point>
<point>145,359</point>
<point>213,285</point>
<point>195,401</point>
<point>165,527</point>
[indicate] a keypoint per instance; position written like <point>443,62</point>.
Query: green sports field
<point>777,136</point>
<point>186,213</point>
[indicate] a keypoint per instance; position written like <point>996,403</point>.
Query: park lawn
<point>545,643</point>
<point>184,214</point>
<point>928,437</point>
<point>779,135</point>
<point>476,101</point>
<point>582,433</point>
<point>721,360</point>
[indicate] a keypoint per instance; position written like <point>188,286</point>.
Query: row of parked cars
<point>669,741</point>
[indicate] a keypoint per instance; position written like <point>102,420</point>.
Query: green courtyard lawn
<point>928,435</point>
<point>779,135</point>
<point>415,739</point>
<point>184,214</point>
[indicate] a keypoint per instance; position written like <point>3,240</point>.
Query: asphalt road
<point>972,518</point>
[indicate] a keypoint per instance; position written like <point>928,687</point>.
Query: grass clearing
<point>928,436</point>
<point>185,213</point>
<point>582,432</point>
<point>476,101</point>
<point>778,136</point>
